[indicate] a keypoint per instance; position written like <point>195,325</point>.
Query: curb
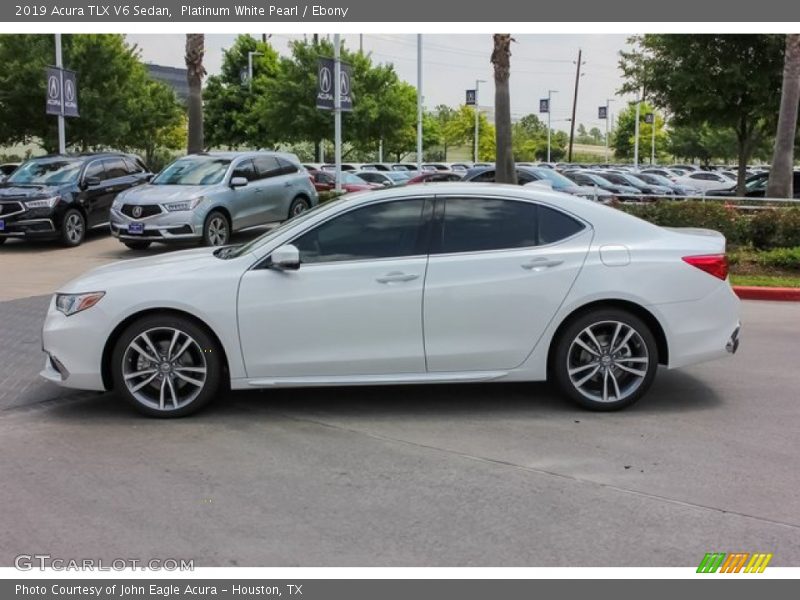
<point>767,293</point>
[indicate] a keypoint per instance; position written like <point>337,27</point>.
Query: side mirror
<point>90,182</point>
<point>286,258</point>
<point>237,182</point>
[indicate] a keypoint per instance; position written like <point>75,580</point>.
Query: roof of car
<point>233,155</point>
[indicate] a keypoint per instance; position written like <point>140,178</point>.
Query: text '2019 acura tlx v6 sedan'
<point>433,283</point>
<point>206,197</point>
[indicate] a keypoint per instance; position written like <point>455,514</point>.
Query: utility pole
<point>62,141</point>
<point>361,43</point>
<point>478,83</point>
<point>250,56</point>
<point>574,105</point>
<point>608,118</point>
<point>337,112</point>
<point>549,112</point>
<point>653,148</point>
<point>419,102</point>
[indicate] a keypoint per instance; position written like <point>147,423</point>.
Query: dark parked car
<point>586,178</point>
<point>63,196</point>
<point>528,175</point>
<point>756,187</point>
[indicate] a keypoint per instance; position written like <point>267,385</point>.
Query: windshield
<point>52,171</point>
<point>598,180</point>
<point>236,251</point>
<point>397,175</point>
<point>756,184</point>
<point>352,179</point>
<point>558,180</point>
<point>194,170</point>
<point>654,178</point>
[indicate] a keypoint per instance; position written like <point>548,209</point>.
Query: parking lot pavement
<point>495,475</point>
<point>35,268</point>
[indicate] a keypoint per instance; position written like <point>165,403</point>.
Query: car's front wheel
<point>73,228</point>
<point>605,359</point>
<point>166,366</point>
<point>217,230</point>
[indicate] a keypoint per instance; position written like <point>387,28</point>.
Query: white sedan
<point>429,284</point>
<point>705,181</point>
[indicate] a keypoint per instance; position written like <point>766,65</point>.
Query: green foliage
<point>460,130</point>
<point>120,106</point>
<point>529,140</point>
<point>624,136</point>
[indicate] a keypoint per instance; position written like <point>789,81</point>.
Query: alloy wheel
<point>164,368</point>
<point>607,361</point>
<point>73,228</point>
<point>217,231</point>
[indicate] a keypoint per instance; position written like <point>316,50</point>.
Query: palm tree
<point>195,49</point>
<point>780,175</point>
<point>501,59</point>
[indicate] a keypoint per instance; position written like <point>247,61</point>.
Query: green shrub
<point>780,258</point>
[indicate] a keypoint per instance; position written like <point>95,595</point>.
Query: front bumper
<point>165,227</point>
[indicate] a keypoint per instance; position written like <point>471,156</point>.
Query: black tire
<point>216,229</point>
<point>73,228</point>
<point>298,206</point>
<point>622,374</point>
<point>180,398</point>
<point>2,240</point>
<point>143,245</point>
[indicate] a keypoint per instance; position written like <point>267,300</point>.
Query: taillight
<point>713,264</point>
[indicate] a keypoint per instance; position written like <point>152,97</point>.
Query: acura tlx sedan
<point>438,283</point>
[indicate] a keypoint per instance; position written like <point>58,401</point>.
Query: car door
<point>245,201</point>
<point>275,187</point>
<point>354,307</point>
<point>498,271</point>
<point>95,195</point>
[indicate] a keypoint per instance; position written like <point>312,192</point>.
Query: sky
<point>452,63</point>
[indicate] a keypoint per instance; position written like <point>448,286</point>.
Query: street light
<point>549,112</point>
<point>478,82</point>
<point>250,56</point>
<point>608,118</point>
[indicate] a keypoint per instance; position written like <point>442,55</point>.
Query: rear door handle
<point>396,277</point>
<point>541,263</point>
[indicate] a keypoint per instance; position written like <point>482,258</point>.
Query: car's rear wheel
<point>137,245</point>
<point>298,206</point>
<point>166,366</point>
<point>605,359</point>
<point>216,230</point>
<point>73,228</point>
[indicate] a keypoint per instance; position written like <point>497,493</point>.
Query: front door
<point>354,307</point>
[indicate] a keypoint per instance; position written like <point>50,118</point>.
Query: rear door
<point>96,198</point>
<point>498,271</point>
<point>245,205</point>
<point>274,188</point>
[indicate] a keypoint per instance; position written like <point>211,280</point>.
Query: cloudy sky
<point>452,63</point>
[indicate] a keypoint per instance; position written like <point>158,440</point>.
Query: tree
<point>624,136</point>
<point>504,160</point>
<point>110,89</point>
<point>723,80</point>
<point>780,176</point>
<point>461,131</point>
<point>597,136</point>
<point>195,71</point>
<point>444,114</point>
<point>160,120</point>
<point>229,98</point>
<point>702,142</point>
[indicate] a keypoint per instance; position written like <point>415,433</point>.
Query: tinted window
<point>95,169</point>
<point>486,176</point>
<point>555,225</point>
<point>115,167</point>
<point>194,170</point>
<point>267,166</point>
<point>524,177</point>
<point>245,169</point>
<point>383,230</point>
<point>475,224</point>
<point>133,166</point>
<point>287,167</point>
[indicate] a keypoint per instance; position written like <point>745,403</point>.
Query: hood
<point>140,271</point>
<point>159,194</point>
<point>17,191</point>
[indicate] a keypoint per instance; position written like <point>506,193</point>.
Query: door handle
<point>287,183</point>
<point>396,277</point>
<point>541,263</point>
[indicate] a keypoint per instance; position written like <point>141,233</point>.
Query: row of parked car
<point>206,197</point>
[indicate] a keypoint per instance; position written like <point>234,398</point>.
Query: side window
<point>487,176</point>
<point>286,167</point>
<point>95,169</point>
<point>476,224</point>
<point>555,225</point>
<point>245,169</point>
<point>386,230</point>
<point>267,166</point>
<point>115,167</point>
<point>524,177</point>
<point>133,167</point>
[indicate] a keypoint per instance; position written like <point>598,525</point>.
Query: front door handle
<point>396,277</point>
<point>541,263</point>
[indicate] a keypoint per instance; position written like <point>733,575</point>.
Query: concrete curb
<point>746,292</point>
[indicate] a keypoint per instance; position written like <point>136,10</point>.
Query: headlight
<point>69,304</point>
<point>43,203</point>
<point>183,204</point>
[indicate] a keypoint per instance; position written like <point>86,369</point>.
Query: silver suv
<point>206,197</point>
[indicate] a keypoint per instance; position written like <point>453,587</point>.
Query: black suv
<point>61,196</point>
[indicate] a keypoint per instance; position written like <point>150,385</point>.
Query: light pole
<point>653,147</point>
<point>478,82</point>
<point>337,112</point>
<point>608,118</point>
<point>62,141</point>
<point>636,131</point>
<point>250,56</point>
<point>419,102</point>
<point>549,112</point>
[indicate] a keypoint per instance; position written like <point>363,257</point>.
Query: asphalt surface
<point>488,475</point>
